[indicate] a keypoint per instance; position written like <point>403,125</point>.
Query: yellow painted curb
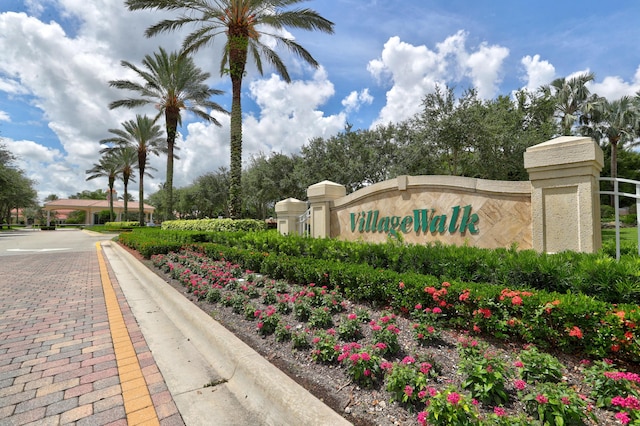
<point>137,401</point>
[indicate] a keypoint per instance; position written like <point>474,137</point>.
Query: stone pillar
<point>288,214</point>
<point>321,197</point>
<point>565,202</point>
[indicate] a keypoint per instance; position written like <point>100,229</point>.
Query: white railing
<point>617,194</point>
<point>304,223</point>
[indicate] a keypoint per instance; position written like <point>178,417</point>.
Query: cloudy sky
<point>59,55</point>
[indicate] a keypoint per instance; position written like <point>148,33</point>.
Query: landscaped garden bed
<point>392,363</point>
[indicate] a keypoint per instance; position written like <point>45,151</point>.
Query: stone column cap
<point>291,205</point>
<point>564,151</point>
<point>326,190</point>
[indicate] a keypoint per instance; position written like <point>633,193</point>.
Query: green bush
<point>216,225</point>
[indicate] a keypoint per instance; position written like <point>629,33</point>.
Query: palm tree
<point>242,22</point>
<point>127,158</point>
<point>617,121</point>
<point>571,97</point>
<point>107,167</point>
<point>172,83</point>
<point>146,137</point>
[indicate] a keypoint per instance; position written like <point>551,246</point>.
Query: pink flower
<point>518,364</point>
<point>422,418</point>
<point>408,360</point>
<point>367,372</point>
<point>380,345</point>
<point>623,417</point>
<point>365,356</point>
<point>565,400</point>
<point>432,392</point>
<point>331,332</point>
<point>315,340</point>
<point>425,367</point>
<point>352,316</point>
<point>422,394</point>
<point>453,398</point>
<point>541,399</point>
<point>355,358</point>
<point>437,310</point>
<point>499,411</point>
<point>386,365</point>
<point>520,384</point>
<point>401,285</point>
<point>516,300</point>
<point>408,390</point>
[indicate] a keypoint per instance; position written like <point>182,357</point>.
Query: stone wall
<point>558,209</point>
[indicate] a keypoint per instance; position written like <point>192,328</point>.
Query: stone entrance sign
<point>558,209</point>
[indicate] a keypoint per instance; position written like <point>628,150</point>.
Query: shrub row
<point>597,275</point>
<point>215,225</point>
<point>570,321</point>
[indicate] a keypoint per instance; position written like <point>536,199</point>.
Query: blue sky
<point>385,55</point>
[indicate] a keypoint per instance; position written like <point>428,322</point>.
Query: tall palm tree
<point>127,158</point>
<point>107,167</point>
<point>242,22</point>
<point>172,83</point>
<point>147,138</point>
<point>572,99</point>
<point>617,122</point>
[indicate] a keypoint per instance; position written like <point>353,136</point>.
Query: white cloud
<point>614,87</point>
<point>4,116</point>
<point>355,100</point>
<point>414,71</point>
<point>538,73</point>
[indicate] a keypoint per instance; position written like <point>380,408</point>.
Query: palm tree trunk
<point>111,182</point>
<point>142,160</point>
<point>237,61</point>
<point>172,127</point>
<point>125,181</point>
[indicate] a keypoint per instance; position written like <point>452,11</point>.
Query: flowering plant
<point>326,348</point>
<point>349,328</point>
<point>268,321</point>
<point>386,332</point>
<point>363,364</point>
<point>607,382</point>
<point>448,407</point>
<point>407,380</point>
<point>485,377</point>
<point>536,366</point>
<point>631,407</point>
<point>556,403</point>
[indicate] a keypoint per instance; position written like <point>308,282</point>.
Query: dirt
<point>331,384</point>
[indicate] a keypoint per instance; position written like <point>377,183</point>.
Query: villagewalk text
<point>423,220</point>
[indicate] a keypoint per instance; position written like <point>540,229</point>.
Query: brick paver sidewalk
<point>57,359</point>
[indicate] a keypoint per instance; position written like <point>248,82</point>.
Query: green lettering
<point>469,221</point>
<point>438,223</point>
<point>383,224</point>
<point>453,225</point>
<point>405,225</point>
<point>361,223</point>
<point>421,220</point>
<point>374,225</point>
<point>367,228</point>
<point>395,222</point>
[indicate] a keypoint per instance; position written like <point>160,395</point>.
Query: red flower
<point>516,300</point>
<point>575,332</point>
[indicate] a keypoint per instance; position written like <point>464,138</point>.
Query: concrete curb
<point>257,384</point>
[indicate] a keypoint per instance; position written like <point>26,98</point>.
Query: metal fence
<point>304,223</point>
<point>616,197</point>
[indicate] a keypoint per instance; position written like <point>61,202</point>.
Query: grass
<point>626,234</point>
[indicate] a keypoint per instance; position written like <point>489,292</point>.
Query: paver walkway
<point>68,355</point>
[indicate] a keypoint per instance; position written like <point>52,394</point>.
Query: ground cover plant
<point>409,366</point>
